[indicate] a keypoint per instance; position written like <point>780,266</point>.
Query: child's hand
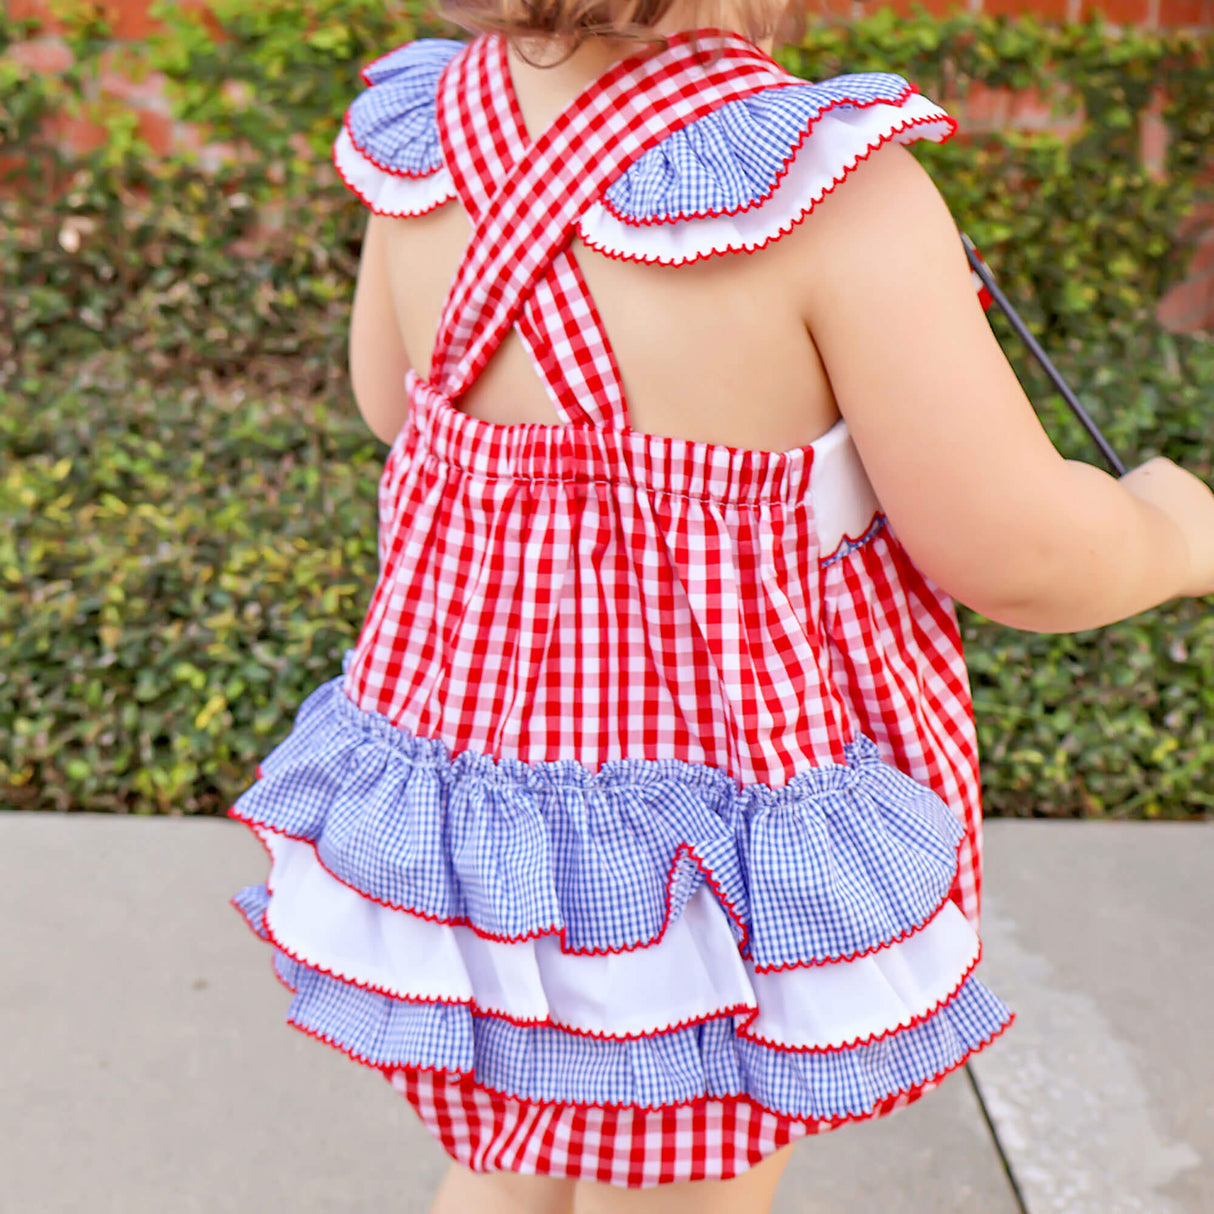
<point>1189,502</point>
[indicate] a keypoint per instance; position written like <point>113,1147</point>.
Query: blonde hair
<point>576,21</point>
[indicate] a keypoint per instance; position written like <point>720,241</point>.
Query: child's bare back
<point>717,350</point>
<point>865,311</point>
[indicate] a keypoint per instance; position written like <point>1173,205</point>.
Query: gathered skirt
<point>636,975</point>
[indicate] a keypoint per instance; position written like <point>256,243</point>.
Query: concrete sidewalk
<point>146,1065</point>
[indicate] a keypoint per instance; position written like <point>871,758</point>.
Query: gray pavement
<point>145,1064</point>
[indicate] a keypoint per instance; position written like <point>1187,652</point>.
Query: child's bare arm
<point>378,360</point>
<point>972,485</point>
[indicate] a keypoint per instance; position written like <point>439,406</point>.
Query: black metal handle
<point>998,296</point>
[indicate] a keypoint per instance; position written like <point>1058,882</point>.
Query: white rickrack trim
<point>838,140</point>
<point>390,193</point>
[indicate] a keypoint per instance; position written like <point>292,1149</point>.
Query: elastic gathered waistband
<point>862,761</point>
<point>651,462</point>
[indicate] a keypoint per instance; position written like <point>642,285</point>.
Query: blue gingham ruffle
<point>732,158</point>
<point>706,1060</point>
<point>393,122</point>
<point>723,163</point>
<point>841,860</point>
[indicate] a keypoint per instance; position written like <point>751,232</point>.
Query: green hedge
<point>187,496</point>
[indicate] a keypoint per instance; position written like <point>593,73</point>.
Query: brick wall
<point>1189,307</point>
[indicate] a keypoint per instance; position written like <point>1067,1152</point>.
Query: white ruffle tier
<point>541,926</point>
<point>693,973</point>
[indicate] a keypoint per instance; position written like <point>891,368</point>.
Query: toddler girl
<point>641,834</point>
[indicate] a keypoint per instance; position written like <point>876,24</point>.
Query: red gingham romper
<point>582,596</point>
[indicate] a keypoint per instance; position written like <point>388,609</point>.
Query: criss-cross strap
<point>559,323</point>
<point>524,201</point>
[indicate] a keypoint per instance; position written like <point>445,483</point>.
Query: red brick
<point>1201,260</point>
<point>77,134</point>
<point>986,109</point>
<point>1046,10</point>
<point>211,156</point>
<point>13,182</point>
<point>1183,12</point>
<point>1117,12</point>
<point>20,10</point>
<point>1200,220</point>
<point>1031,109</point>
<point>129,18</point>
<point>1189,306</point>
<point>157,131</point>
<point>48,55</point>
<point>905,8</point>
<point>1153,136</point>
<point>122,76</point>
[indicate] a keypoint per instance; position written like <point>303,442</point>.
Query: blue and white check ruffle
<point>710,1059</point>
<point>393,122</point>
<point>722,163</point>
<point>841,860</point>
<point>732,158</point>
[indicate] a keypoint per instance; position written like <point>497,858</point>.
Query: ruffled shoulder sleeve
<point>735,180</point>
<point>388,151</point>
<point>747,173</point>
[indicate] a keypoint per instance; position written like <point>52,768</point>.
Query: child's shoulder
<point>734,179</point>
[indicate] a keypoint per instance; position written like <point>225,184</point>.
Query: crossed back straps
<point>524,199</point>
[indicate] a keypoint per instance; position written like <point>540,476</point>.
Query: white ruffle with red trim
<point>731,181</point>
<point>389,193</point>
<point>838,140</point>
<point>692,974</point>
<point>642,934</point>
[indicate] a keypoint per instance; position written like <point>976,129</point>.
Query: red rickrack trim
<point>742,1030</point>
<point>856,541</point>
<point>374,210</point>
<point>283,982</point>
<point>273,968</point>
<point>872,1038</point>
<point>477,1009</point>
<point>650,259</point>
<point>468,1077</point>
<point>683,850</point>
<point>384,168</point>
<point>252,823</point>
<point>784,966</point>
<point>245,920</point>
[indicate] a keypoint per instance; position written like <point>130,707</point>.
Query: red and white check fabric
<point>487,1132</point>
<point>587,592</point>
<point>576,362</point>
<point>525,202</point>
